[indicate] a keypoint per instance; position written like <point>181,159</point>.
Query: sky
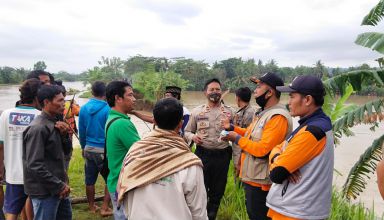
<point>72,35</point>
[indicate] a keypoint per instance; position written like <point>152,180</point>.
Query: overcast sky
<point>72,35</point>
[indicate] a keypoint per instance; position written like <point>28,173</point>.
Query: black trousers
<point>216,163</point>
<point>255,202</point>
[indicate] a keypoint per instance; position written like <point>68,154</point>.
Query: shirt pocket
<point>202,127</point>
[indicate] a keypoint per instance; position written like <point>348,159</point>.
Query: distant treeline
<point>191,74</point>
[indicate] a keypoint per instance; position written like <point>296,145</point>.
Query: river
<point>346,154</point>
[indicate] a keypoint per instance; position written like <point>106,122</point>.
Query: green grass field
<point>232,205</point>
<point>77,184</point>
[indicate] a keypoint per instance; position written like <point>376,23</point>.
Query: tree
<point>229,65</point>
<point>320,70</point>
<point>271,66</point>
<point>369,113</point>
<point>196,72</point>
<point>40,65</point>
<point>152,84</point>
<point>138,64</point>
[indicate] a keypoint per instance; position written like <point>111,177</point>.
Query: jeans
<point>118,214</point>
<point>52,208</point>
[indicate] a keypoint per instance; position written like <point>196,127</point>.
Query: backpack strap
<point>106,132</point>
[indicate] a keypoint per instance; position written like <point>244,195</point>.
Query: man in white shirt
<point>12,124</point>
<point>161,178</point>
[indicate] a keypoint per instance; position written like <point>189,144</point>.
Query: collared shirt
<point>121,135</point>
<point>243,118</point>
<point>206,123</point>
<point>43,158</point>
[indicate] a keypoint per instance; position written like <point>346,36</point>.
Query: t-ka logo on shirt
<point>21,118</point>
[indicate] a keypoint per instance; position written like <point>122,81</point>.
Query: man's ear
<point>179,126</point>
<point>46,102</point>
<point>308,100</point>
<point>117,98</point>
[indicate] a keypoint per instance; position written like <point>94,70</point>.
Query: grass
<point>77,183</point>
<point>232,204</point>
<point>86,95</point>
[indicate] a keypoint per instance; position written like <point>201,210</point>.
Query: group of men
<point>285,173</point>
<point>35,176</point>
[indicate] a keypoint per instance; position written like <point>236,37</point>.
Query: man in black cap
<point>175,92</point>
<point>271,125</point>
<point>302,166</point>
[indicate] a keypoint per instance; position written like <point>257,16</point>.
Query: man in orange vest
<point>271,125</point>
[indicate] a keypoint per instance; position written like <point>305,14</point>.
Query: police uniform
<point>243,118</point>
<point>206,123</point>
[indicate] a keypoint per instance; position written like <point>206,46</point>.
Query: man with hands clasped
<point>302,166</point>
<point>271,125</point>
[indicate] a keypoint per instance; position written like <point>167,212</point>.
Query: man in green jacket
<point>120,135</point>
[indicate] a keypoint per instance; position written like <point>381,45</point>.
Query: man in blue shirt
<point>92,118</point>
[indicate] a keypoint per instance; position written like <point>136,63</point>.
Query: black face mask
<point>261,100</point>
<point>214,97</point>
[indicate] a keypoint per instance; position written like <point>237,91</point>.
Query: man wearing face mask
<point>204,129</point>
<point>271,125</point>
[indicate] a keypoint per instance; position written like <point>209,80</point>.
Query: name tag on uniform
<point>200,118</point>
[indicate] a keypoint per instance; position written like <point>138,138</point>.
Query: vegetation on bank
<point>232,205</point>
<point>233,72</point>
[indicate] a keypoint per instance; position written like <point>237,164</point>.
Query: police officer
<point>204,129</point>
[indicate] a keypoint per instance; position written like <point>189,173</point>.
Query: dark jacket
<point>43,158</point>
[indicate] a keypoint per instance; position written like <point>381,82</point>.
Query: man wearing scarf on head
<point>161,178</point>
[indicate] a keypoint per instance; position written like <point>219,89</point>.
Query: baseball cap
<point>272,79</point>
<point>307,84</point>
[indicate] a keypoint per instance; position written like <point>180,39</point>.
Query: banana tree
<point>343,118</point>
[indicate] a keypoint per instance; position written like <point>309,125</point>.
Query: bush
<point>152,84</point>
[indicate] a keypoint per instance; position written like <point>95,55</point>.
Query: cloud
<point>72,35</point>
<point>170,12</point>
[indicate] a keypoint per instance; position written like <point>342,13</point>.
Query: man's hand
<point>225,123</point>
<point>65,192</point>
<point>230,137</point>
<point>63,127</point>
<point>197,139</point>
<point>295,177</point>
